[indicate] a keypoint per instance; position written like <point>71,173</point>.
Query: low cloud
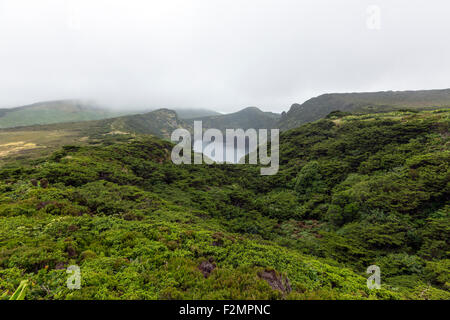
<point>216,54</point>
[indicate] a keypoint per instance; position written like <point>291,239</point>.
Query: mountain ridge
<point>75,110</point>
<point>249,117</point>
<point>363,102</point>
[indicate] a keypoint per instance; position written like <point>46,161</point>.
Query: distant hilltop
<point>54,112</point>
<point>367,102</point>
<point>58,123</point>
<point>160,123</point>
<point>61,111</point>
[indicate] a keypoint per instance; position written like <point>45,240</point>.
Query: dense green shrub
<point>352,191</point>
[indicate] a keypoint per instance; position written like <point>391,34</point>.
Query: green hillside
<point>23,143</point>
<point>160,123</point>
<point>352,191</point>
<point>317,108</point>
<point>53,112</point>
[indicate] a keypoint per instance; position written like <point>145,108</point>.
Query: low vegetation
<point>352,191</point>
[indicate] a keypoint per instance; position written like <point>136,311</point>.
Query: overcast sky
<point>218,54</point>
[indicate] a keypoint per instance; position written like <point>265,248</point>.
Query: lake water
<point>227,152</point>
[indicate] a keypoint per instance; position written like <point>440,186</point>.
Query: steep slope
<point>319,107</point>
<point>54,112</point>
<point>160,123</point>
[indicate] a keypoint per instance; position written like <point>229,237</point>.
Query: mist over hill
<point>55,112</point>
<point>60,111</point>
<point>195,113</point>
<point>20,140</point>
<point>315,174</point>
